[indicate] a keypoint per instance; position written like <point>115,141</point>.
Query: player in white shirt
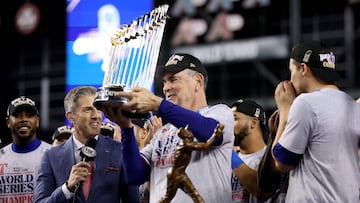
<point>318,130</point>
<point>20,159</point>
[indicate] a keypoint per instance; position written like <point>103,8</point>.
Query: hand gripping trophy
<point>133,58</point>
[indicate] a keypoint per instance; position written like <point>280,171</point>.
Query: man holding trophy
<point>184,86</point>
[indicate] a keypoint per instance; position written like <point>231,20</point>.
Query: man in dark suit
<point>62,170</point>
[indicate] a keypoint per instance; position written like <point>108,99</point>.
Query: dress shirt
<point>77,148</point>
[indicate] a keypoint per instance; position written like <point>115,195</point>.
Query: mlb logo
<point>174,60</point>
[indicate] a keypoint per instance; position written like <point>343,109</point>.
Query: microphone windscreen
<point>88,152</point>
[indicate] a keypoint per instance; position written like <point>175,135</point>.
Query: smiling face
<point>180,88</point>
<point>23,126</point>
<point>85,118</point>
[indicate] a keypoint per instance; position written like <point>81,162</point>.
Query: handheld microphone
<point>88,152</point>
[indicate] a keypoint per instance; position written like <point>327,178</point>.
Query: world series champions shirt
<point>18,172</point>
<point>209,170</point>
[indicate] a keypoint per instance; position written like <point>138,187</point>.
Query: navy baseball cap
<point>253,109</point>
<point>107,129</point>
<point>320,59</point>
<point>180,61</point>
<point>63,131</point>
<point>22,103</point>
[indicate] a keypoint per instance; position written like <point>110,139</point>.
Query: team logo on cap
<point>257,113</point>
<point>173,60</point>
<point>64,129</point>
<point>307,56</point>
<point>21,101</point>
<point>328,60</point>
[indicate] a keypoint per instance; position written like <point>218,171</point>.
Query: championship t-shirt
<point>18,173</point>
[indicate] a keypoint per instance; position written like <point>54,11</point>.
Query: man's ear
<point>70,116</point>
<point>305,69</point>
<point>200,80</point>
<point>254,122</point>
<point>38,122</point>
<point>8,121</point>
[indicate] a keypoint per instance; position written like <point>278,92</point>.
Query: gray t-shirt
<point>18,172</point>
<point>209,170</point>
<point>239,193</point>
<point>323,126</point>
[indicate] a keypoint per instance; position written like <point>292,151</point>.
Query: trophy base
<point>106,95</point>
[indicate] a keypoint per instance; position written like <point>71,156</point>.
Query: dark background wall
<point>30,61</point>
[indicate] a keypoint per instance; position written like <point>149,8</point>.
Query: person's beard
<point>239,137</point>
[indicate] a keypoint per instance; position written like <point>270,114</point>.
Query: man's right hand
<point>284,97</point>
<point>78,173</point>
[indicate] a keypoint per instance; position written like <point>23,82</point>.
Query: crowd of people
<point>189,150</point>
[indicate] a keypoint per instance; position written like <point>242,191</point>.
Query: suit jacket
<point>108,184</point>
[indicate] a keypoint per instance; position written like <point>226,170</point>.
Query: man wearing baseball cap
<point>21,157</point>
<point>179,62</point>
<point>61,134</point>
<point>254,110</point>
<point>184,87</point>
<point>22,104</point>
<point>318,130</point>
<point>319,58</point>
<point>250,133</point>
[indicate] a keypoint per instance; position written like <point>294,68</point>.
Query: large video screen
<point>90,24</point>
